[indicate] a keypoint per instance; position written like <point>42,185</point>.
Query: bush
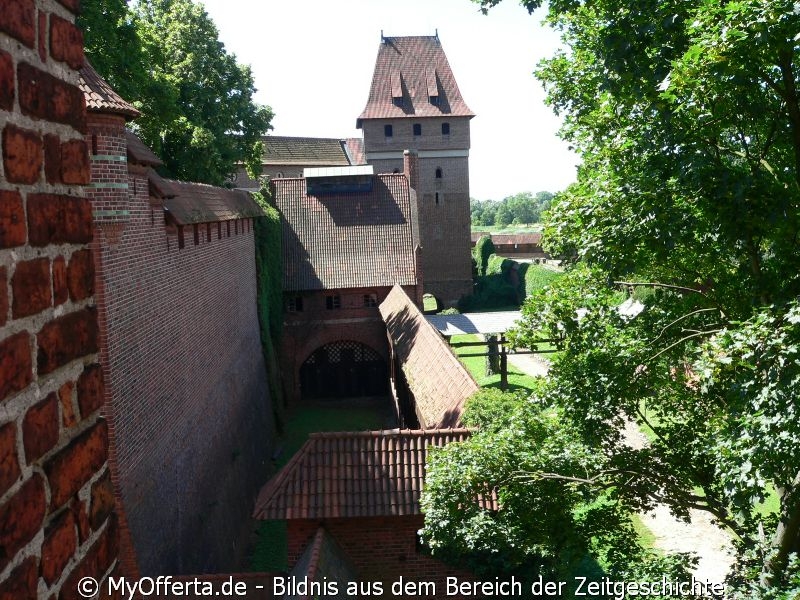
<point>484,249</point>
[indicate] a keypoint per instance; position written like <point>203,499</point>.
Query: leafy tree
<point>196,101</point>
<point>686,116</point>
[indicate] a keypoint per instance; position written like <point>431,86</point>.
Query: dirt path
<point>711,544</point>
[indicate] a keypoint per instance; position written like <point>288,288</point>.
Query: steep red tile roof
<point>415,67</point>
<point>200,203</point>
<point>355,148</point>
<point>304,151</point>
<point>346,240</point>
<point>437,379</point>
<point>324,558</point>
<point>100,97</point>
<point>353,474</point>
<point>139,153</point>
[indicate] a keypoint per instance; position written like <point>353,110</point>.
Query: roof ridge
<point>376,433</point>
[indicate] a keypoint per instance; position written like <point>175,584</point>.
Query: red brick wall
<point>306,331</point>
<point>381,548</point>
<point>186,384</point>
<point>56,522</point>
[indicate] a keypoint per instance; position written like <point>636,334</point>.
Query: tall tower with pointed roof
<point>415,104</point>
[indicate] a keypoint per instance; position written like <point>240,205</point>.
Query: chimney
<point>411,168</point>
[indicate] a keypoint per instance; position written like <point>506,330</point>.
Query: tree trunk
<point>787,535</point>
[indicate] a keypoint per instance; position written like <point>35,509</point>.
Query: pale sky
<point>313,62</point>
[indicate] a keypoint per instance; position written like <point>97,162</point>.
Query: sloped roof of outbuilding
<point>139,153</point>
<point>201,203</point>
<point>354,474</point>
<point>304,151</point>
<point>437,379</point>
<point>413,68</point>
<point>101,97</point>
<point>349,239</point>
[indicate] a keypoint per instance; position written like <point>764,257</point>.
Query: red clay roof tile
<point>438,381</point>
<point>100,97</point>
<point>415,66</point>
<point>346,240</point>
<point>201,203</point>
<point>304,151</point>
<point>353,474</point>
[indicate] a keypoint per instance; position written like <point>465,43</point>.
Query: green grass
<point>429,303</point>
<point>476,365</point>
<point>646,537</point>
<point>271,548</point>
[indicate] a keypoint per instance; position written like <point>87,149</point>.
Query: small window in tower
<point>333,302</point>
<point>370,300</point>
<point>445,128</point>
<point>387,131</point>
<point>437,198</point>
<point>295,304</point>
<point>417,129</point>
<point>438,172</point>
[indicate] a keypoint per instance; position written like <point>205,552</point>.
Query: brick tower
<point>414,103</point>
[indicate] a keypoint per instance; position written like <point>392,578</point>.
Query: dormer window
<point>417,129</point>
<point>388,131</point>
<point>434,100</point>
<point>445,128</point>
<point>398,102</point>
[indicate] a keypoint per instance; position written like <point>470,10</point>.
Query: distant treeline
<point>524,208</point>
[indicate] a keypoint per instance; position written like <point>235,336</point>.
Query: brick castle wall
<point>306,331</point>
<point>186,382</point>
<point>381,549</point>
<point>57,521</point>
<point>443,202</point>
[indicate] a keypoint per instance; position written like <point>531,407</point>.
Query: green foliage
<point>196,101</point>
<point>505,284</point>
<point>686,117</point>
<point>484,248</point>
<point>520,209</point>
<point>536,277</point>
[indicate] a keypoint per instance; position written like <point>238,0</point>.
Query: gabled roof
<point>353,474</point>
<point>100,97</point>
<point>437,379</point>
<point>355,148</point>
<point>413,69</point>
<point>304,151</point>
<point>201,203</point>
<point>346,240</point>
<point>324,559</point>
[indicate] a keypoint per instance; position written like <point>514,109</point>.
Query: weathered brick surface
<point>16,369</point>
<point>71,468</point>
<point>44,96</point>
<point>60,543</point>
<point>40,428</point>
<point>6,81</point>
<point>21,518</point>
<point>21,583</point>
<point>67,411</point>
<point>56,219</point>
<point>90,390</point>
<point>102,501</point>
<point>75,162</point>
<point>66,42</point>
<point>67,338</point>
<point>17,19</point>
<point>9,465</point>
<point>80,275</point>
<point>96,562</point>
<point>23,154</point>
<point>42,35</point>
<point>3,295</point>
<point>52,158</point>
<point>31,287</point>
<point>78,509</point>
<point>12,219</point>
<point>60,289</point>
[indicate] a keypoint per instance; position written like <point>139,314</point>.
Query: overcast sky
<point>313,61</point>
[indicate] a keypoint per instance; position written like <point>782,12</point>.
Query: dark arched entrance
<point>344,369</point>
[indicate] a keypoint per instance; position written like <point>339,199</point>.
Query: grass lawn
<point>269,552</point>
<point>476,365</point>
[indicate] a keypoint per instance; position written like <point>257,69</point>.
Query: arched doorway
<point>344,369</point>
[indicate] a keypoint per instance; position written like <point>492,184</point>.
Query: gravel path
<point>711,544</point>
